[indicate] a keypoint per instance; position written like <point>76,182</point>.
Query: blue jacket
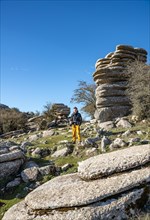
<point>76,118</point>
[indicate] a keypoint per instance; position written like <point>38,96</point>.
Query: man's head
<point>75,109</point>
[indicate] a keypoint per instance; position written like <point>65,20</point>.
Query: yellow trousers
<point>76,132</point>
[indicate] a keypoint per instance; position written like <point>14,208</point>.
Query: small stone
<point>104,142</point>
<point>145,141</point>
<point>66,167</point>
<point>49,169</point>
<point>48,133</point>
<point>29,174</point>
<point>91,152</point>
<point>139,132</point>
<point>106,125</point>
<point>61,153</point>
<point>123,123</point>
<point>13,148</point>
<point>126,133</point>
<point>14,183</point>
<point>133,140</point>
<point>37,151</point>
<point>119,142</point>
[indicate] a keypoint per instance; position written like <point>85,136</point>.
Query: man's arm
<point>80,119</point>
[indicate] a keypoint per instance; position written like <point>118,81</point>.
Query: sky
<point>47,47</point>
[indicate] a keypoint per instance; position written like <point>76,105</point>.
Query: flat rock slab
<point>61,153</point>
<point>114,162</point>
<point>111,209</point>
<point>12,156</point>
<point>112,101</point>
<point>70,191</point>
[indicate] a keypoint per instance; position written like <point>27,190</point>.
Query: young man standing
<point>76,120</point>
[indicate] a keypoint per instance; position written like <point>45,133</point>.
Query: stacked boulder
<point>11,159</point>
<point>111,79</point>
<point>110,186</point>
<point>61,111</point>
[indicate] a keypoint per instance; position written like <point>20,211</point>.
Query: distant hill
<point>2,106</point>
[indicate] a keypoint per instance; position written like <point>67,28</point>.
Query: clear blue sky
<point>47,46</point>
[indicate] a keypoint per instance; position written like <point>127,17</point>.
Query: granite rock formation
<point>61,110</point>
<point>71,197</point>
<point>111,80</point>
<point>10,161</point>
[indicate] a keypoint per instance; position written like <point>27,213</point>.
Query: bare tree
<point>139,88</point>
<point>48,112</point>
<point>85,94</point>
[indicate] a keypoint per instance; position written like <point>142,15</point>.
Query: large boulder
<point>10,167</point>
<point>10,161</point>
<point>114,162</point>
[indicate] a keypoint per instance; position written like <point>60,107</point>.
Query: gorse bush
<point>139,89</point>
<point>11,120</point>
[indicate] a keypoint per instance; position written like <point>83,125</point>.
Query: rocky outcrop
<point>71,197</point>
<point>111,80</point>
<point>11,160</point>
<point>61,110</point>
<point>60,113</point>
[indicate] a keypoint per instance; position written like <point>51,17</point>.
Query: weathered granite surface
<point>10,167</point>
<point>115,208</point>
<point>70,190</point>
<point>114,162</point>
<point>12,156</point>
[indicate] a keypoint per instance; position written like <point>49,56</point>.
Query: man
<point>76,120</point>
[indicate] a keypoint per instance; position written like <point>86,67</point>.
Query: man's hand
<point>70,123</point>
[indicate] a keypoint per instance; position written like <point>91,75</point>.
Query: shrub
<point>11,120</point>
<point>49,112</point>
<point>139,88</point>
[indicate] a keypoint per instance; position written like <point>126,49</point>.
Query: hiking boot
<point>73,142</point>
